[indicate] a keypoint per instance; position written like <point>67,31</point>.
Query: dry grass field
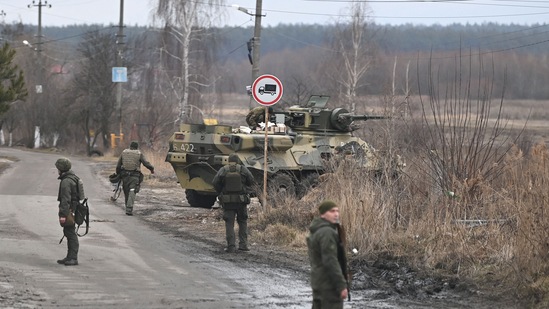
<point>487,221</point>
<point>477,218</point>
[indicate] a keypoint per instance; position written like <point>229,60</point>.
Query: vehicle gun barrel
<point>349,116</point>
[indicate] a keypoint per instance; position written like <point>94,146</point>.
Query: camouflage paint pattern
<point>314,134</point>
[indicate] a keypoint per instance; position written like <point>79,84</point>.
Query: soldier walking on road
<point>326,255</point>
<point>129,168</point>
<point>231,182</point>
<point>68,200</point>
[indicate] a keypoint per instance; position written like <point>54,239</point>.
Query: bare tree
<point>353,52</point>
<point>299,90</point>
<point>185,23</point>
<point>11,121</point>
<point>155,116</point>
<point>92,87</point>
<point>465,138</point>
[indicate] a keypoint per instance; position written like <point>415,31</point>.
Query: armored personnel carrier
<point>304,138</point>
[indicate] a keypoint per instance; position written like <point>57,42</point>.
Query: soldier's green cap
<point>325,206</point>
<point>63,164</point>
<point>134,145</point>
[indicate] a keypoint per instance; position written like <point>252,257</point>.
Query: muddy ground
<point>381,283</point>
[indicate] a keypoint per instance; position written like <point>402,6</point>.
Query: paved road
<point>123,263</point>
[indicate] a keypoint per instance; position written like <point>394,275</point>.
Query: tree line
<point>181,71</point>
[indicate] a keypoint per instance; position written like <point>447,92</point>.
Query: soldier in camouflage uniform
<point>325,254</point>
<point>129,168</point>
<point>68,199</point>
<point>231,182</point>
<point>257,115</point>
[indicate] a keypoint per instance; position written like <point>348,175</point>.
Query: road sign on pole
<point>267,90</point>
<point>119,75</point>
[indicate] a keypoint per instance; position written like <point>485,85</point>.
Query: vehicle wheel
<point>281,186</point>
<point>196,199</point>
<point>307,183</point>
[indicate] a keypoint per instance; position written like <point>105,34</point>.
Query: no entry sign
<point>267,90</point>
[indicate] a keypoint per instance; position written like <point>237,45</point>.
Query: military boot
<point>62,261</point>
<point>71,262</point>
<point>129,203</point>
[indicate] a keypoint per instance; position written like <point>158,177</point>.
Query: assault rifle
<point>342,258</point>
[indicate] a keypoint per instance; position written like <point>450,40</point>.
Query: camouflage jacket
<point>255,116</point>
<point>67,196</point>
<point>323,245</point>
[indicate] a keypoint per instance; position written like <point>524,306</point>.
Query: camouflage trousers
<point>72,242</point>
<point>130,186</point>
<point>241,215</point>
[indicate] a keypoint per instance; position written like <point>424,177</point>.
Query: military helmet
<point>233,157</point>
<point>115,178</point>
<point>63,164</point>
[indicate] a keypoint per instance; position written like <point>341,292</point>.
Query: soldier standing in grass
<point>231,182</point>
<point>68,199</point>
<point>326,256</point>
<point>129,168</point>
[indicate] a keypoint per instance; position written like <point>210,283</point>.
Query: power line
<point>453,2</point>
<point>533,4</point>
<point>482,38</point>
<point>461,16</point>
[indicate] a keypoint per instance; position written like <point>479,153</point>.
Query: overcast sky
<point>69,12</point>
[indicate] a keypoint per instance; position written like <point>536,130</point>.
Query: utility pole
<point>38,50</point>
<point>119,58</point>
<point>256,41</point>
<point>39,5</point>
<point>256,45</point>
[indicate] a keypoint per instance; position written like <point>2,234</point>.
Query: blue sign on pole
<point>119,75</point>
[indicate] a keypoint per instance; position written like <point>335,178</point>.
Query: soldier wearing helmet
<point>68,199</point>
<point>129,168</point>
<point>231,182</point>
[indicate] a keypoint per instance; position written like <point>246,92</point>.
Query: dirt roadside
<point>381,283</point>
<point>388,282</point>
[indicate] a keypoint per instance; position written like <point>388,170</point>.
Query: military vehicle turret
<point>304,138</point>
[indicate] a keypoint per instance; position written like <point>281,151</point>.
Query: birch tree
<point>185,23</point>
<point>354,52</point>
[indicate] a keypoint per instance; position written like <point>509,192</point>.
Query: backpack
<point>233,180</point>
<point>233,191</point>
<point>82,211</point>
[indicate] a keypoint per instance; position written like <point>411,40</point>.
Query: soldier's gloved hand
<point>152,172</point>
